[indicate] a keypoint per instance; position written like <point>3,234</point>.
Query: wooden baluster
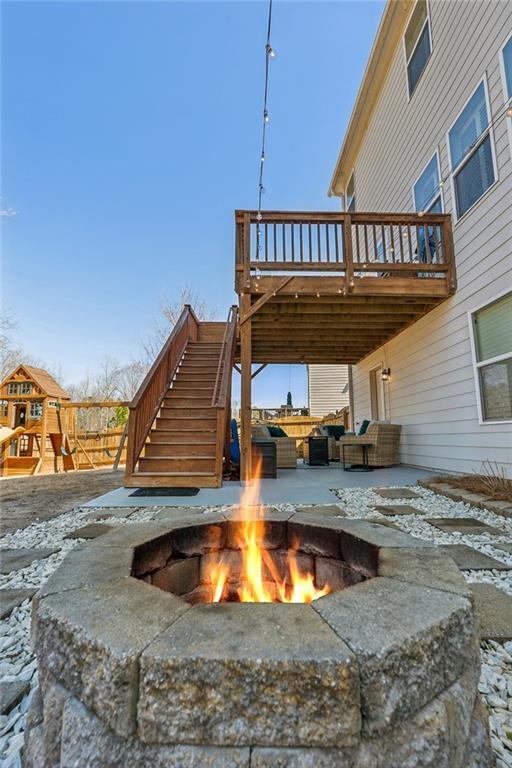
<point>310,242</point>
<point>283,233</point>
<point>410,243</point>
<point>319,244</point>
<point>437,250</point>
<point>292,225</point>
<point>427,244</point>
<point>266,241</point>
<point>358,252</point>
<point>401,240</point>
<point>275,241</point>
<point>347,251</point>
<point>375,250</point>
<point>327,242</point>
<point>383,236</point>
<point>336,243</point>
<point>301,243</point>
<point>392,245</point>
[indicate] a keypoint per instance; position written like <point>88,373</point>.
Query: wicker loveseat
<point>385,443</point>
<point>286,448</point>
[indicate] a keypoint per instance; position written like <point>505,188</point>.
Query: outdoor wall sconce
<point>385,374</point>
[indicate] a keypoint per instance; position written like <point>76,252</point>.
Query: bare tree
<point>170,311</point>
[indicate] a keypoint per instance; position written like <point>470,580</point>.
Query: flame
<point>260,579</point>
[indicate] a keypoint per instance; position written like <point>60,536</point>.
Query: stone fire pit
<point>135,669</point>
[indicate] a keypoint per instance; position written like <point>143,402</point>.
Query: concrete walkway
<point>304,485</point>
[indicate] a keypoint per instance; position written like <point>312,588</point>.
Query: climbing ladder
<point>178,432</point>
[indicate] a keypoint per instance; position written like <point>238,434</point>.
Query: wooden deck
<point>332,287</point>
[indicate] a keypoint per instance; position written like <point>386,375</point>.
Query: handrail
<point>148,398</point>
<point>346,244</point>
<point>224,367</point>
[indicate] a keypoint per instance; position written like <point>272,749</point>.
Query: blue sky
<point>130,134</point>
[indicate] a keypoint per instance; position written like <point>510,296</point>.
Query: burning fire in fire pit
<point>262,579</point>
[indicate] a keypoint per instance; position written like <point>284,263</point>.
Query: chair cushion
<point>364,427</point>
<point>335,430</point>
<point>276,431</point>
<point>260,431</point>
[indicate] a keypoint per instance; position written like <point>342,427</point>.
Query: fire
<point>260,578</point>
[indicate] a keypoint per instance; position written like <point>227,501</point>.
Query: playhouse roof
<point>42,378</point>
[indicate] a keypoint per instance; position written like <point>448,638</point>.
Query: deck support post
<point>245,409</point>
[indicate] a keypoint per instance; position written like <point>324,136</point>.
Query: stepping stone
<point>503,545</point>
<point>11,598</point>
<point>380,521</point>
<point>397,493</point>
<point>494,609</point>
<point>91,531</point>
<point>15,559</point>
<point>11,694</point>
<point>463,525</point>
<point>470,559</point>
<point>397,509</point>
<point>329,510</point>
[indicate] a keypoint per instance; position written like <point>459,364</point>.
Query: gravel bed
<point>17,661</point>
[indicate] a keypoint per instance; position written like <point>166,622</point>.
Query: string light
<point>269,54</point>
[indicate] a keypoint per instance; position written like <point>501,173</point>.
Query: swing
<point>67,453</point>
<point>110,455</point>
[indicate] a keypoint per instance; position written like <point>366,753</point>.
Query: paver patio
<point>494,609</point>
<point>467,525</point>
<point>15,559</point>
<point>471,559</point>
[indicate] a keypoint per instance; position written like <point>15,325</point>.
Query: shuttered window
<point>417,44</point>
<point>471,152</point>
<point>492,337</point>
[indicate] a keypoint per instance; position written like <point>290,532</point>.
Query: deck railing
<point>350,244</point>
<point>146,403</point>
<point>221,398</point>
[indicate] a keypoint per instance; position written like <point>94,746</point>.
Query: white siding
<point>327,388</point>
<point>432,390</point>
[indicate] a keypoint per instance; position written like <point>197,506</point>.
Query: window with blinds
<point>350,195</point>
<point>471,157</point>
<point>426,191</point>
<point>418,44</point>
<point>507,69</point>
<point>492,341</point>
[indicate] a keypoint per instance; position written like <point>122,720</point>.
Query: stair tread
<point>177,474</point>
<point>178,458</point>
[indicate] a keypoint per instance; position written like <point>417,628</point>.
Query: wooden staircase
<point>178,433</point>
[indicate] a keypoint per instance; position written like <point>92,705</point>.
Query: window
<point>507,69</point>
<point>426,191</point>
<point>418,44</point>
<point>471,152</point>
<point>25,388</point>
<point>4,405</point>
<point>36,410</point>
<point>12,388</point>
<point>350,195</point>
<point>492,350</point>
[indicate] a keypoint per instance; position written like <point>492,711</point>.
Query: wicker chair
<point>385,445</point>
<point>286,448</point>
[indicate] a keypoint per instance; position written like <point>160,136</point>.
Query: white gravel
<point>17,660</point>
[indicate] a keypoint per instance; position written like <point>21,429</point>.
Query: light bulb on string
<point>266,116</point>
<point>259,216</point>
<point>270,51</point>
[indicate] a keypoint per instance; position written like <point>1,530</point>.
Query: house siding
<point>432,391</point>
<point>327,389</point>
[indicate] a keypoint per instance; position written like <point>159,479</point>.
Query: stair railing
<point>221,398</point>
<point>147,402</point>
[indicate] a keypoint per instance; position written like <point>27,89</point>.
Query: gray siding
<point>432,387</point>
<point>327,388</point>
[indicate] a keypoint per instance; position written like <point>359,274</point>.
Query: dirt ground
<point>26,500</point>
